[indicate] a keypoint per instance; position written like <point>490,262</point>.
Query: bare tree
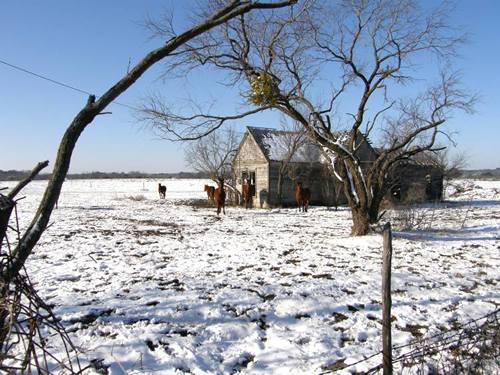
<point>213,154</point>
<point>366,50</point>
<point>217,14</point>
<point>449,165</point>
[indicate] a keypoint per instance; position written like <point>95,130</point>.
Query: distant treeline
<point>19,175</point>
<point>481,174</point>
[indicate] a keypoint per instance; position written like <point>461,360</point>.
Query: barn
<point>272,161</point>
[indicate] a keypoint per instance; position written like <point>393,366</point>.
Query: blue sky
<point>88,45</point>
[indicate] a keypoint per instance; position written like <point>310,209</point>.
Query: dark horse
<point>220,197</point>
<point>210,193</point>
<point>162,190</point>
<point>302,196</point>
<point>248,191</point>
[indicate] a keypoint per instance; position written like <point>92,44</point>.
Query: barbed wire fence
<point>32,338</point>
<point>471,348</point>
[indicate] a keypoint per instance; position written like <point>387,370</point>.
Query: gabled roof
<point>275,145</point>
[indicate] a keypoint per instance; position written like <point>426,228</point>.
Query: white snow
<point>158,286</point>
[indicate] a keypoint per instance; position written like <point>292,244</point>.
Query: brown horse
<point>248,191</point>
<point>162,190</point>
<point>210,193</point>
<point>220,197</point>
<point>302,196</point>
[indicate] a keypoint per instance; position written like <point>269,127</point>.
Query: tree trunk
<point>360,222</point>
<point>379,192</point>
<point>373,211</point>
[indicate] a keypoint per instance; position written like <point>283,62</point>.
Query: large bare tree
<point>345,70</point>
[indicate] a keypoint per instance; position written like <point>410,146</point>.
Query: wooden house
<point>268,158</point>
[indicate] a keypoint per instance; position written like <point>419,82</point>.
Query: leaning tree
<point>346,71</point>
<point>216,13</point>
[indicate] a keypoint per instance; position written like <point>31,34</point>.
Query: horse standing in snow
<point>210,193</point>
<point>302,196</point>
<point>162,190</point>
<point>220,197</point>
<point>248,191</point>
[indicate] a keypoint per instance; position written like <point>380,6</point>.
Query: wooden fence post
<point>386,300</point>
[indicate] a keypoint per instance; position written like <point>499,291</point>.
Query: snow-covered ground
<point>160,286</point>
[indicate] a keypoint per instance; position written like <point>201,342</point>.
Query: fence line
<point>440,341</point>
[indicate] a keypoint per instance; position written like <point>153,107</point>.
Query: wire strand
<point>62,84</point>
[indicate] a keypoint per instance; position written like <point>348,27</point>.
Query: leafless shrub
<point>33,334</point>
<point>30,333</point>
<point>473,348</point>
<point>411,217</point>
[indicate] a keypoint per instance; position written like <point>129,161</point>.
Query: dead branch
<point>28,179</point>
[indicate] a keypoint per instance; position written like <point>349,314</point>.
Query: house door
<point>253,182</point>
<point>249,178</point>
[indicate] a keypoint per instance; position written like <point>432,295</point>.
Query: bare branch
<point>176,127</point>
<point>28,179</point>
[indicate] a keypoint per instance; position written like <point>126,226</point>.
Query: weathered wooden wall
<point>310,174</point>
<point>413,183</point>
<point>313,176</point>
<point>251,159</point>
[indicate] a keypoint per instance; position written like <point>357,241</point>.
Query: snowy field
<point>163,287</point>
